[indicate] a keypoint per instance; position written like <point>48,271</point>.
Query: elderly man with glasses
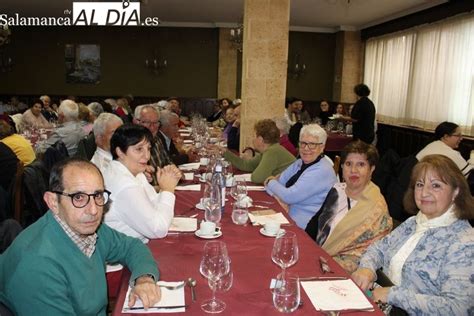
<point>57,265</point>
<point>303,186</point>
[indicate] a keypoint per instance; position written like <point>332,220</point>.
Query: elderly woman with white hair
<point>284,128</point>
<point>303,186</point>
<point>95,109</point>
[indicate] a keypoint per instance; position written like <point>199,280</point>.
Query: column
<point>227,75</point>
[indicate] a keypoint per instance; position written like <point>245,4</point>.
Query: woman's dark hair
<point>249,149</point>
<point>268,130</point>
<point>362,90</point>
<point>294,134</point>
<point>37,101</point>
<point>290,100</point>
<point>445,128</point>
<point>5,129</point>
<point>360,147</point>
<point>128,135</point>
<point>449,173</point>
<point>229,102</point>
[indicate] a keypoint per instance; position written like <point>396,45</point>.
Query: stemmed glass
<point>212,204</point>
<point>215,264</point>
<point>285,251</point>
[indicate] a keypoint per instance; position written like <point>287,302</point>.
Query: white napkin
<point>168,298</point>
<point>113,267</point>
<point>184,130</point>
<point>255,188</point>
<point>191,187</point>
<point>189,166</point>
<point>184,134</point>
<point>335,295</point>
<point>262,219</point>
<point>188,176</point>
<point>243,177</point>
<point>183,224</point>
<point>188,141</point>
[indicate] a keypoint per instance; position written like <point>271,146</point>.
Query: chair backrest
<point>17,119</point>
<point>86,147</point>
<point>17,192</point>
<point>337,164</point>
<point>35,183</point>
<point>54,154</point>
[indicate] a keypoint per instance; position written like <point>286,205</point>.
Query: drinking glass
<point>240,214</point>
<point>239,190</point>
<point>285,251</point>
<point>214,265</point>
<point>286,294</point>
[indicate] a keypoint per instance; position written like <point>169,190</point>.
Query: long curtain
<point>425,75</point>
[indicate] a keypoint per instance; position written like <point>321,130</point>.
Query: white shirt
<point>101,159</point>
<point>440,148</point>
<point>136,209</point>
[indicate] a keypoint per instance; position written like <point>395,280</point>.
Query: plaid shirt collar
<point>85,244</point>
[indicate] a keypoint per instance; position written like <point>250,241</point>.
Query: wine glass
<point>240,214</point>
<point>214,265</point>
<point>212,204</point>
<point>285,251</point>
<point>239,191</point>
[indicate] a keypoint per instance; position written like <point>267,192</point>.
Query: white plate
<point>216,235</point>
<point>264,233</point>
<point>199,207</point>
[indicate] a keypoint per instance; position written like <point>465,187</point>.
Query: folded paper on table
<point>263,212</point>
<point>168,298</point>
<point>184,134</point>
<point>262,219</point>
<point>189,166</point>
<point>243,177</point>
<point>336,295</point>
<point>188,141</point>
<point>184,130</point>
<point>255,188</point>
<point>191,187</point>
<point>189,176</point>
<point>183,224</point>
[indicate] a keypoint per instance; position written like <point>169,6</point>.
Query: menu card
<point>168,298</point>
<point>336,295</point>
<point>191,187</point>
<point>183,224</point>
<point>262,219</point>
<point>243,177</point>
<point>189,166</point>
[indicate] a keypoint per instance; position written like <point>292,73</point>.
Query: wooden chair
<point>337,164</point>
<point>17,193</point>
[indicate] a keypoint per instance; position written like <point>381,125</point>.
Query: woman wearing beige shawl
<point>354,214</point>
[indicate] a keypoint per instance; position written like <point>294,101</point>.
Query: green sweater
<point>269,163</point>
<point>44,272</point>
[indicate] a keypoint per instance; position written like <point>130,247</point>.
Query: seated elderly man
<point>104,127</point>
<point>70,131</point>
<point>57,265</point>
<point>48,112</point>
<point>168,135</point>
<point>272,158</point>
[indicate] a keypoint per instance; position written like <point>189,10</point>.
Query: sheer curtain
<point>425,75</point>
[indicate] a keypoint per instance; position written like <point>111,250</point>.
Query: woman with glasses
<point>271,159</point>
<point>302,187</point>
<point>137,209</point>
<point>354,213</point>
<point>448,136</point>
<point>428,258</point>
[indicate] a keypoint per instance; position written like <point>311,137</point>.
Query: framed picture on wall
<point>82,63</point>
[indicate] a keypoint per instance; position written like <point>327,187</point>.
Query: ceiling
<point>305,15</point>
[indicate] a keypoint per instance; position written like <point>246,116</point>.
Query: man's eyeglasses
<point>81,199</point>
<point>150,123</point>
<point>309,145</point>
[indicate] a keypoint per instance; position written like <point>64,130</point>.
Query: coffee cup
<point>229,180</point>
<point>271,227</point>
<point>207,228</point>
<point>203,161</point>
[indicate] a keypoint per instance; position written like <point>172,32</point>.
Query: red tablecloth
<point>336,141</point>
<point>179,255</point>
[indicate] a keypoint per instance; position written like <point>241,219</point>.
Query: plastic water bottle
<point>218,180</point>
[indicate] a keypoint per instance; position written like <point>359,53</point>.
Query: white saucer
<point>216,235</point>
<point>264,233</point>
<point>199,207</point>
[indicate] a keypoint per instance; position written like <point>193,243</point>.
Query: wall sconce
<point>297,68</point>
<point>6,62</point>
<point>156,64</point>
<point>237,37</point>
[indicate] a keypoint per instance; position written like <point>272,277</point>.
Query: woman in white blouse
<point>137,209</point>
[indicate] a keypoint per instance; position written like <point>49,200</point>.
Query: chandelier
<point>237,36</point>
<point>296,68</point>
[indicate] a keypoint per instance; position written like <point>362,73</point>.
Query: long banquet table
<point>179,255</point>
